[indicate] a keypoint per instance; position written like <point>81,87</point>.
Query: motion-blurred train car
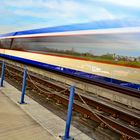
<point>102,51</point>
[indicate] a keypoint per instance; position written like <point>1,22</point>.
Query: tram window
<point>29,44</point>
<point>5,43</point>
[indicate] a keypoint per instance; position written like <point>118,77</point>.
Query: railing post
<point>69,115</point>
<point>139,88</point>
<point>2,74</point>
<point>23,86</point>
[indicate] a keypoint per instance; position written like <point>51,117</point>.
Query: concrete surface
<point>15,124</point>
<point>49,121</point>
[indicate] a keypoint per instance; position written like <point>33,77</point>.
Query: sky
<point>16,15</point>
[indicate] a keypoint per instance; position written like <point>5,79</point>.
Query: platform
<point>15,124</point>
<point>31,120</point>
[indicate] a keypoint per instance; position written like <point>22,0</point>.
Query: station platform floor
<point>15,124</point>
<point>29,121</point>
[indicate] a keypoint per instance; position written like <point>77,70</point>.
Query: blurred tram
<point>109,53</point>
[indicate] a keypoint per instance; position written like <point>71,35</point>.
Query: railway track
<point>109,115</point>
<point>107,85</point>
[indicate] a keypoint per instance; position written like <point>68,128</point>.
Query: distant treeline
<point>86,54</point>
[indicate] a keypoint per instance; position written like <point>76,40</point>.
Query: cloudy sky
<point>18,15</point>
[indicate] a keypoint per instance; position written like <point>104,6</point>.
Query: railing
<point>70,106</point>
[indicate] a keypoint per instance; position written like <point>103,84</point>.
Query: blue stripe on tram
<point>73,72</point>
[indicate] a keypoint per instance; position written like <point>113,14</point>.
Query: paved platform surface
<point>39,124</point>
<point>15,124</point>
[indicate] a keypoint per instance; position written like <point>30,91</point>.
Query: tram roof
<point>98,25</point>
